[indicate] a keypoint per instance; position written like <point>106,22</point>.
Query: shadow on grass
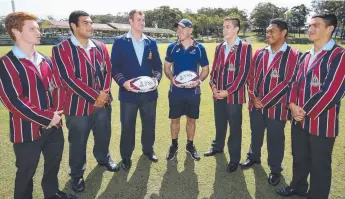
<point>262,187</point>
<point>93,183</point>
<point>177,185</point>
<point>228,185</point>
<point>135,187</point>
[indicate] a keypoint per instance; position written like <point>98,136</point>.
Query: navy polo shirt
<point>186,59</point>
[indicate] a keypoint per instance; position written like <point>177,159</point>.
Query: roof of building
<point>110,27</point>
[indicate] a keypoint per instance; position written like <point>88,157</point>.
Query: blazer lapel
<point>131,48</point>
<point>83,53</point>
<point>315,62</point>
<point>273,62</point>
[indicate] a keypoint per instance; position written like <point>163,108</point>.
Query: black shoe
<point>274,178</point>
<point>126,164</point>
<point>212,152</point>
<point>193,152</point>
<point>248,163</point>
<point>152,156</point>
<point>232,167</point>
<point>62,195</point>
<point>78,184</point>
<point>172,152</point>
<point>289,191</point>
<point>111,166</point>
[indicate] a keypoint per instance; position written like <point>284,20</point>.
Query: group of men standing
<point>282,85</point>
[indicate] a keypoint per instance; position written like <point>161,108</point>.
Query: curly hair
<point>16,20</point>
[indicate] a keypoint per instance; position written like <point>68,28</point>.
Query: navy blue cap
<point>184,23</point>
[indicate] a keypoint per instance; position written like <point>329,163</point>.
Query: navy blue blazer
<point>125,66</point>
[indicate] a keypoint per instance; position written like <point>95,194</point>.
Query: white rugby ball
<point>186,78</point>
<point>143,84</point>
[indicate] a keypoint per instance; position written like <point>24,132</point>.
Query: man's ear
<point>15,32</point>
<point>330,29</point>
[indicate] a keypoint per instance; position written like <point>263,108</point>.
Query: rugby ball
<point>186,78</point>
<point>143,84</point>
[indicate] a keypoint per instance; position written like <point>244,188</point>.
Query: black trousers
<point>228,114</point>
<point>275,139</point>
<point>79,128</point>
<point>128,116</point>
<point>28,155</point>
<point>311,155</point>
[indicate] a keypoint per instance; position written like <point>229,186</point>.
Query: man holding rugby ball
<point>185,54</point>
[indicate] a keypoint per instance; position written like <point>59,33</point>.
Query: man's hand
<point>128,86</point>
<point>98,104</point>
<point>214,89</point>
<point>257,103</point>
<point>221,94</point>
<point>101,99</point>
<point>194,85</point>
<point>174,83</point>
<point>56,119</point>
<point>156,83</point>
<point>297,112</point>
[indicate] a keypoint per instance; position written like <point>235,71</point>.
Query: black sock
<point>190,144</point>
<point>174,142</point>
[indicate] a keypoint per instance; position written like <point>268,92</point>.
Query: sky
<point>61,8</point>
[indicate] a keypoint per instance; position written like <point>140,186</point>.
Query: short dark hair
<point>74,17</point>
<point>281,24</point>
<point>132,13</point>
<point>235,21</point>
<point>329,19</point>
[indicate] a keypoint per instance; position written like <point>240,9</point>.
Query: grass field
<point>181,179</point>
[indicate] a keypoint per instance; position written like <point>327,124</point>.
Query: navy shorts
<point>184,105</point>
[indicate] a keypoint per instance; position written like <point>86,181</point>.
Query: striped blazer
<point>319,89</point>
<point>231,74</point>
<point>30,97</point>
<point>271,83</point>
<point>82,77</point>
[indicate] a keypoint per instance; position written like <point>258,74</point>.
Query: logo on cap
<point>184,23</point>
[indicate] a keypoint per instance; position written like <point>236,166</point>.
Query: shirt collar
<point>75,42</point>
<point>21,55</point>
<point>283,48</point>
<point>195,43</point>
<point>236,43</point>
<point>129,35</point>
<point>327,47</point>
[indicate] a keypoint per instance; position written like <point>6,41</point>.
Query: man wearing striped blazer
<point>30,88</point>
<point>85,68</point>
<point>314,100</point>
<point>228,76</point>
<point>271,72</point>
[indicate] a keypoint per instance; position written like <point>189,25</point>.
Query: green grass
<point>181,179</point>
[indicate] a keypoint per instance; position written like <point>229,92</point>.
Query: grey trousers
<point>79,128</point>
<point>228,114</point>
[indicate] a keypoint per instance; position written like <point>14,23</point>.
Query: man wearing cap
<point>135,54</point>
<point>229,73</point>
<point>182,55</point>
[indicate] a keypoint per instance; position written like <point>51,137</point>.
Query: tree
<point>335,7</point>
<point>299,16</point>
<point>263,13</point>
<point>103,19</point>
<point>162,17</point>
<point>2,29</point>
